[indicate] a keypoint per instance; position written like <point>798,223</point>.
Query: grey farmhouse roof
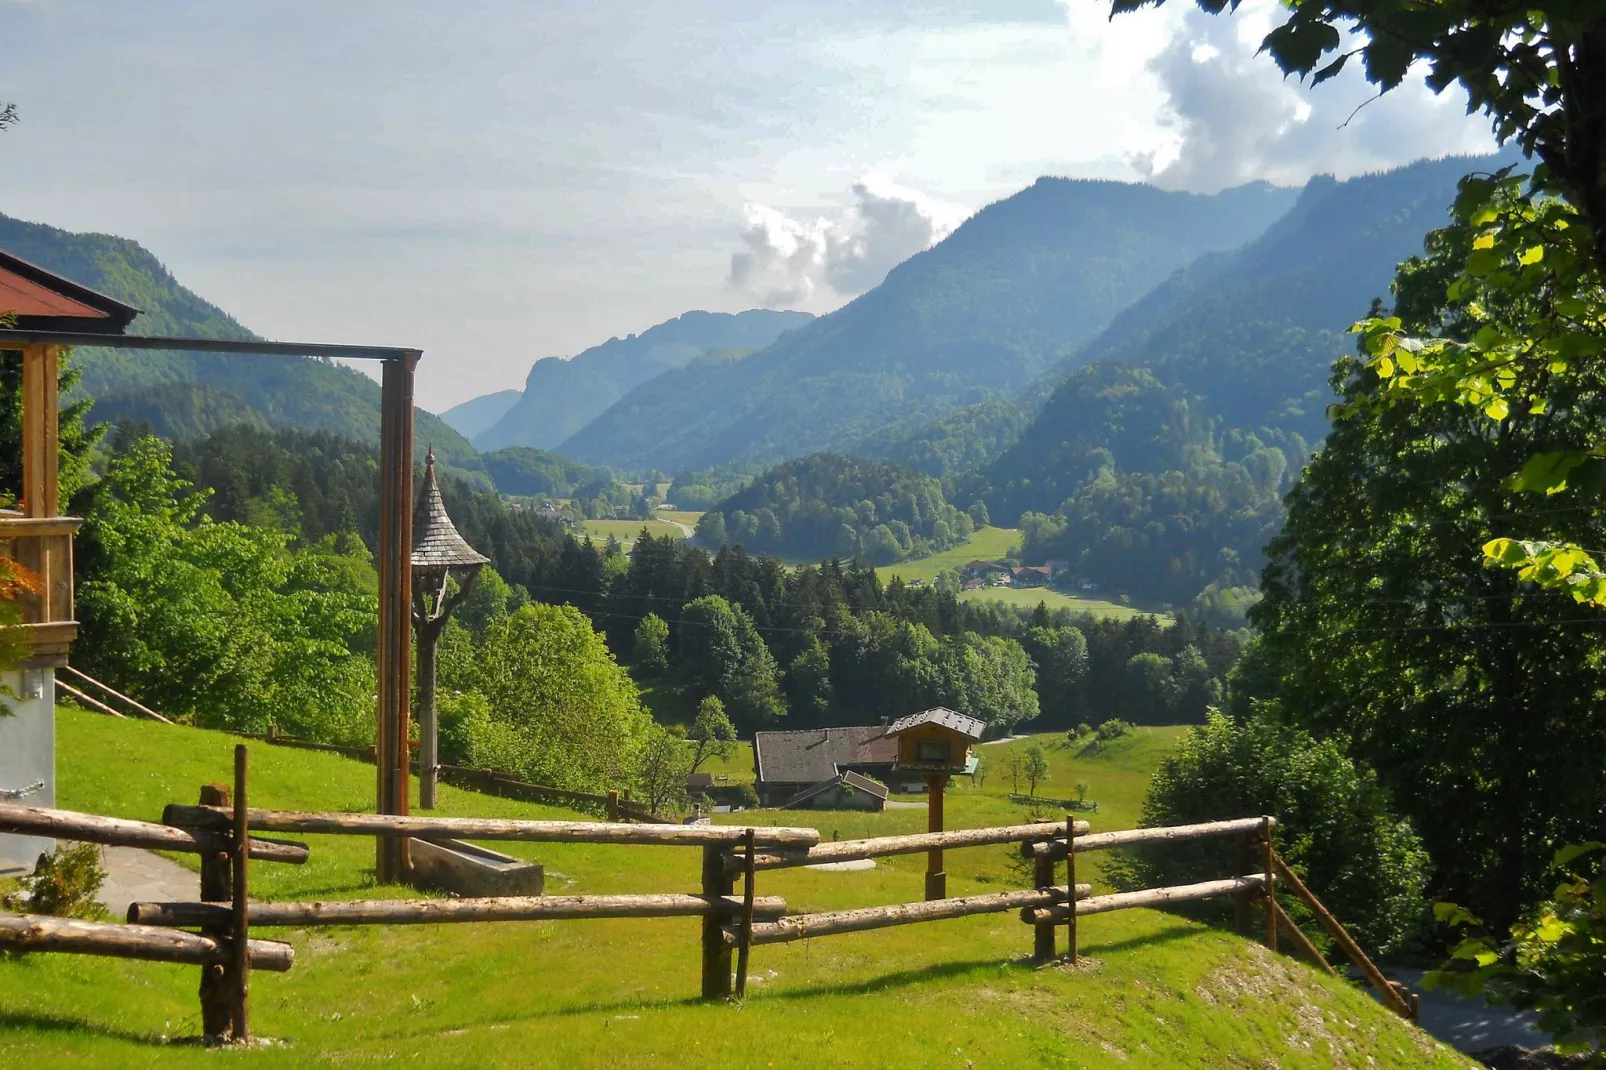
<point>436,543</point>
<point>941,715</point>
<point>816,754</point>
<point>863,785</point>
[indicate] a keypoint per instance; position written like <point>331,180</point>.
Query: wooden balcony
<point>43,545</point>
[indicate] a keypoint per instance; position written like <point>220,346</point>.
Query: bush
<point>1114,728</point>
<point>66,883</point>
<point>1553,962</point>
<point>1335,824</point>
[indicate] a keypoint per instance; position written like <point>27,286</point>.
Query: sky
<point>495,181</point>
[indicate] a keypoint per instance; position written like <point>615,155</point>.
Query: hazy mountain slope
<point>562,396</point>
<point>979,315</point>
<point>1227,361</point>
<point>478,414</point>
<point>205,391</point>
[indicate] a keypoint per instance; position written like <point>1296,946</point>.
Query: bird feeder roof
<point>436,542</point>
<point>43,300</point>
<point>963,724</point>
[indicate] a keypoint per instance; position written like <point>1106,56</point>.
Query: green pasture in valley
<point>988,544</point>
<point>1030,596</point>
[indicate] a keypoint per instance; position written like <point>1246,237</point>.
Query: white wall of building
<point>27,757</point>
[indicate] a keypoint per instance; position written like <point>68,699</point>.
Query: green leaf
<point>1568,854</point>
<point>1497,409</point>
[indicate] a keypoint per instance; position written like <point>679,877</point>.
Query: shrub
<point>1114,728</point>
<point>1554,961</point>
<point>66,883</point>
<point>1335,824</point>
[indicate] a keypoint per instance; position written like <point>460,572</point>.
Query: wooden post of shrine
<point>40,425</point>
<point>395,605</point>
<point>439,554</point>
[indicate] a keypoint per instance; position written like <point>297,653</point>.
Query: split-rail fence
<point>215,932</point>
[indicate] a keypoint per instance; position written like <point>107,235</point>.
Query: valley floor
<point>1153,990</point>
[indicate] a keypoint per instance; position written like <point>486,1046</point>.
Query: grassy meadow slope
<point>1153,989</point>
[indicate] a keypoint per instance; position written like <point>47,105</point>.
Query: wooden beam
<point>448,911</point>
<point>1297,935</point>
<point>1346,943</point>
<point>121,832</point>
<point>40,424</point>
<point>217,887</point>
<point>746,944</point>
<point>480,828</point>
<point>394,562</point>
<point>240,920</point>
<point>836,922</point>
<point>936,876</point>
<point>38,932</point>
<point>1104,841</point>
<point>883,846</point>
<point>716,955</point>
<point>1148,897</point>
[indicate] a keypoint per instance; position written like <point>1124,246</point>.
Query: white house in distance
<point>35,536</point>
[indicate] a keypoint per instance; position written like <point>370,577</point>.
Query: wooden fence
<point>221,825</point>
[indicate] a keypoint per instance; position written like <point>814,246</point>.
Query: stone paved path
<point>135,876</point>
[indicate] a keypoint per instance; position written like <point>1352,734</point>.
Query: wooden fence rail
<point>40,932</point>
<point>1104,841</point>
<point>883,846</point>
<point>836,922</point>
<point>438,911</point>
<point>478,828</point>
<point>1147,897</point>
<point>121,832</point>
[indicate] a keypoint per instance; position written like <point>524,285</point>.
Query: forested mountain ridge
<point>980,315</point>
<point>1156,467</point>
<point>183,394</point>
<point>562,396</point>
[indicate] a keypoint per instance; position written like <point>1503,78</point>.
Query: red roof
<point>43,300</point>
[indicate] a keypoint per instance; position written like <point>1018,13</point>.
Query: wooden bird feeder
<point>937,744</point>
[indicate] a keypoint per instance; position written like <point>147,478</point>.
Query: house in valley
<point>1033,576</point>
<point>789,764</point>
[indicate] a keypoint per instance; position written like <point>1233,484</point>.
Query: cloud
<point>1236,118</point>
<point>792,262</point>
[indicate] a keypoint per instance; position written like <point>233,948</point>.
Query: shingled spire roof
<point>436,543</point>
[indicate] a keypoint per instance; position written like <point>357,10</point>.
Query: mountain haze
<point>981,314</point>
<point>478,414</point>
<point>562,396</point>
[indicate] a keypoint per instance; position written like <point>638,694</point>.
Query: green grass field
<point>689,517</point>
<point>1153,989</point>
<point>626,531</point>
<point>987,544</point>
<point>1030,596</point>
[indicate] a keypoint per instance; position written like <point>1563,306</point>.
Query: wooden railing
<point>220,828</point>
<point>44,546</point>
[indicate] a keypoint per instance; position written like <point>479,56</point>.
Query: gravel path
<point>136,876</point>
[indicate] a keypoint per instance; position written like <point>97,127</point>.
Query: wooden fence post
<point>1271,883</point>
<point>747,918</point>
<point>1070,884</point>
<point>217,886</point>
<point>716,956</point>
<point>239,996</point>
<point>1043,932</point>
<point>1240,914</point>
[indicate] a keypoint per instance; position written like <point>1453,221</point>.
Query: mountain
<point>562,396</point>
<point>1157,464</point>
<point>527,471</point>
<point>183,394</point>
<point>980,315</point>
<point>478,414</point>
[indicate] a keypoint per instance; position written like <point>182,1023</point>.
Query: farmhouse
<point>1033,576</point>
<point>788,764</point>
<point>845,791</point>
<point>41,540</point>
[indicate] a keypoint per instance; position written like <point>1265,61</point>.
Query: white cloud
<point>1235,118</point>
<point>793,262</point>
